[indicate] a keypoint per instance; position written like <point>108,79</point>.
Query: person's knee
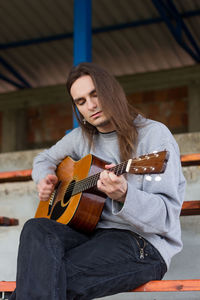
<point>33,225</point>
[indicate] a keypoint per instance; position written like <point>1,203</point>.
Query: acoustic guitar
<point>76,201</point>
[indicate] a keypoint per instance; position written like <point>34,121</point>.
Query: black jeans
<point>57,262</point>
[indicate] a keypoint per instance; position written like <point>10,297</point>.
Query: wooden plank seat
<point>186,285</point>
<point>190,159</point>
<point>189,208</point>
<point>4,221</point>
<point>19,175</point>
<point>7,286</point>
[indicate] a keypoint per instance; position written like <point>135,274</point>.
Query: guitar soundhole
<point>58,209</point>
<point>69,191</point>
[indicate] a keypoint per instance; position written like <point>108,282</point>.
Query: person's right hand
<point>46,186</point>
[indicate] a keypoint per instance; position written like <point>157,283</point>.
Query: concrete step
<point>17,200</point>
<point>18,160</point>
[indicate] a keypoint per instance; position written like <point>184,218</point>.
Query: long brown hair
<point>114,105</point>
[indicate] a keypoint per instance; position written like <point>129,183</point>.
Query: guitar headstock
<point>153,163</point>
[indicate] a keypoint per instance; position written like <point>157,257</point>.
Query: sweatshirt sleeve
<point>154,204</point>
<point>47,161</point>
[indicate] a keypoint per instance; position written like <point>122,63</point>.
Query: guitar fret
<point>122,168</point>
<point>89,182</point>
<point>86,184</point>
<point>124,164</point>
<point>118,170</point>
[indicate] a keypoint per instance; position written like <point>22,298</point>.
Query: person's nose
<point>92,104</point>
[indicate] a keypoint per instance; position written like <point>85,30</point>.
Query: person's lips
<point>96,114</point>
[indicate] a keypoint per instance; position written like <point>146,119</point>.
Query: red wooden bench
<point>4,221</point>
<point>189,208</point>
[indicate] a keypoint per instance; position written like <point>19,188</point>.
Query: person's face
<point>85,97</point>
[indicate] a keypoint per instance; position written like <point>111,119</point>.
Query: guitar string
<point>91,181</point>
<point>88,179</point>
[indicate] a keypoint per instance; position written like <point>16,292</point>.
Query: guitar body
<point>83,210</point>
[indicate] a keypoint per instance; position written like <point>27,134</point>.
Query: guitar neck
<point>153,163</point>
<point>91,181</point>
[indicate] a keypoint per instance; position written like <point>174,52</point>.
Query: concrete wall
<point>20,200</point>
<point>35,118</point>
<point>169,106</point>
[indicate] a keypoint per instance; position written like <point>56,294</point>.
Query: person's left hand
<point>112,185</point>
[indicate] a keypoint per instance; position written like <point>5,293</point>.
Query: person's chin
<point>102,124</point>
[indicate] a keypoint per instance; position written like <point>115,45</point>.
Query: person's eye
<point>80,102</point>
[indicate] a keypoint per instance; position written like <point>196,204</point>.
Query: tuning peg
<point>155,153</point>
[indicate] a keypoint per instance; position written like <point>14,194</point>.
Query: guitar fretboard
<point>91,181</point>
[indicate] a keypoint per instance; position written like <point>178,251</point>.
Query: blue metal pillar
<point>82,34</point>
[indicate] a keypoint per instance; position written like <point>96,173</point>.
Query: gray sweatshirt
<point>152,207</point>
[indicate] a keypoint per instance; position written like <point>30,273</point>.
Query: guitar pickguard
<point>61,206</point>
